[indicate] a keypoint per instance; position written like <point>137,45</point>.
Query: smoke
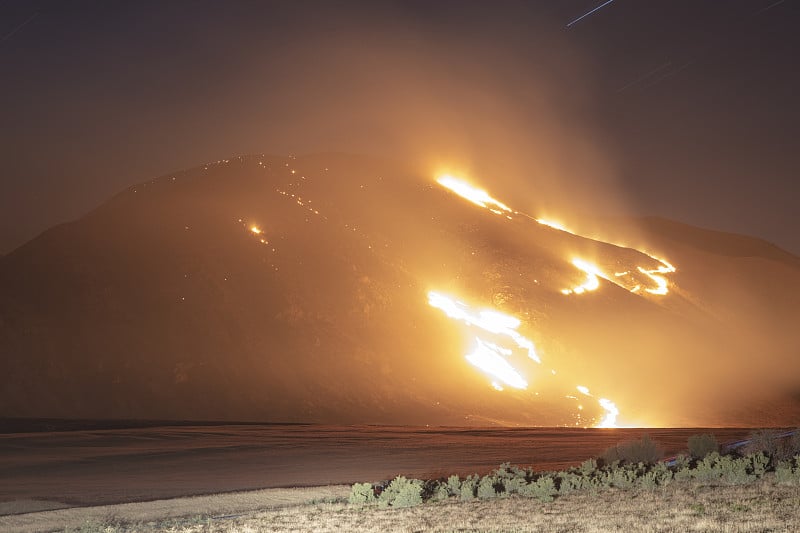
<point>453,91</point>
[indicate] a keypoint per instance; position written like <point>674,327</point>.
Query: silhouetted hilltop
<point>297,289</point>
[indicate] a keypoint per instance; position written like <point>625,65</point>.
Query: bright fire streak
<point>583,390</point>
<point>553,224</point>
<point>661,281</point>
<point>490,321</point>
<point>255,229</point>
<point>473,194</point>
<point>593,275</point>
<point>486,357</point>
<point>610,420</point>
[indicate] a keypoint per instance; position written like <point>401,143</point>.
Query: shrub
<point>486,488</point>
<point>454,485</point>
<point>648,480</point>
<point>588,467</point>
<point>763,441</point>
<point>621,477</point>
<point>706,470</point>
<point>361,494</point>
<point>643,450</point>
<point>543,489</point>
<point>702,445</point>
<point>663,475</point>
<point>441,492</point>
<point>736,471</point>
<point>788,447</point>
<point>468,487</point>
<point>401,492</point>
<point>514,485</point>
<point>788,471</point>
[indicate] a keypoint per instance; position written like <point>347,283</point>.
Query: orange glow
<point>255,229</point>
<point>473,194</point>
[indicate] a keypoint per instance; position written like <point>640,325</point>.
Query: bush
<point>763,441</point>
<point>643,450</point>
<point>401,492</point>
<point>454,485</point>
<point>788,472</point>
<point>486,488</point>
<point>621,478</point>
<point>514,485</point>
<point>468,487</point>
<point>588,467</point>
<point>702,445</point>
<point>361,494</point>
<point>543,489</point>
<point>440,493</point>
<point>788,447</point>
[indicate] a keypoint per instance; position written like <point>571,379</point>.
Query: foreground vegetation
<point>755,487</point>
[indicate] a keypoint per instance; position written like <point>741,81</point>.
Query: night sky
<point>683,109</point>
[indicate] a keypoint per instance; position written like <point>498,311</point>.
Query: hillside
<point>315,289</point>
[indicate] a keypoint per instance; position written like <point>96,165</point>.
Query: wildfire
<point>593,276</point>
<point>493,359</point>
<point>625,280</point>
<point>609,420</point>
<point>473,194</point>
<point>553,224</point>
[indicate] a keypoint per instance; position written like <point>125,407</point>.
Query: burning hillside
<point>350,290</point>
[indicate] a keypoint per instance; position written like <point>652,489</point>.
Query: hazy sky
<point>684,109</point>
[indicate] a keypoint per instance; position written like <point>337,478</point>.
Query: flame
<point>553,224</point>
<point>493,359</point>
<point>629,282</point>
<point>593,275</point>
<point>255,229</point>
<point>490,321</point>
<point>489,358</point>
<point>661,281</point>
<point>473,194</point>
<point>610,420</point>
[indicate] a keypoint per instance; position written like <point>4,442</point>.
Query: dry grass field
<point>691,506</point>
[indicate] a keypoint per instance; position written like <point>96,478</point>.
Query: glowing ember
<point>474,195</point>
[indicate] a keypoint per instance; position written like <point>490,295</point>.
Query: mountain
<point>345,289</point>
